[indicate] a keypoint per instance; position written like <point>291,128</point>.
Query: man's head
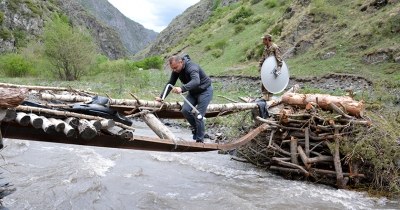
<point>267,38</point>
<point>176,63</point>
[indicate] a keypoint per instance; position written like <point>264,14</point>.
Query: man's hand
<point>177,90</point>
<point>157,99</point>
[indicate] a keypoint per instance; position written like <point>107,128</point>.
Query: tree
<point>69,49</point>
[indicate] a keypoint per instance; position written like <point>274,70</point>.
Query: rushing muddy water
<point>61,176</point>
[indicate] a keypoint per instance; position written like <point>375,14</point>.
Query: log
<point>291,165</point>
<point>307,161</point>
<point>307,141</point>
<point>47,125</point>
<point>22,119</point>
<point>68,130</point>
<point>11,97</point>
<point>338,110</point>
<point>73,98</point>
<point>333,173</point>
<point>152,104</point>
<point>158,127</point>
<point>293,150</point>
<point>86,129</point>
<point>67,114</point>
<point>59,125</point>
<point>72,121</point>
<point>31,87</point>
<point>354,108</point>
<point>118,131</point>
<point>35,120</point>
<point>336,161</point>
<point>107,124</point>
<point>287,170</point>
<point>96,124</point>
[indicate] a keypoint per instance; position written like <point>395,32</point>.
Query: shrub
<point>277,29</point>
<point>208,47</point>
<point>221,44</point>
<point>1,18</point>
<point>271,3</point>
<point>216,53</point>
<point>154,62</point>
<point>239,28</point>
<point>255,1</point>
<point>240,15</point>
<point>14,65</point>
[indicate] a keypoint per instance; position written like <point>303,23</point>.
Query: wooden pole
<point>159,128</point>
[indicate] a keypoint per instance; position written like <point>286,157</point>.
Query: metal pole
<point>197,111</point>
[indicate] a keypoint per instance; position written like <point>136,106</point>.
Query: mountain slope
<point>318,37</point>
<point>22,21</point>
<point>133,35</point>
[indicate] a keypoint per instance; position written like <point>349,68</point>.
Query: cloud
<point>152,14</point>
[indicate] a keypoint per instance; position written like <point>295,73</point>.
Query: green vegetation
<point>14,65</point>
<point>78,51</point>
<point>240,15</point>
<point>1,18</point>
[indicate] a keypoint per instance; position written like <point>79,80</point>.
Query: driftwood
<point>11,97</point>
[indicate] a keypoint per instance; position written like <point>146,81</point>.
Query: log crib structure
<point>301,136</point>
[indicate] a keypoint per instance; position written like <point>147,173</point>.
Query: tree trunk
<point>11,97</point>
<point>159,128</point>
<point>352,107</point>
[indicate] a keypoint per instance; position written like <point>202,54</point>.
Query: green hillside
<point>364,37</point>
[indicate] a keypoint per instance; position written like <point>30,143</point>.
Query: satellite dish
<point>272,81</point>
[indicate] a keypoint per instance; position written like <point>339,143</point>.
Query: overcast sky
<point>152,14</point>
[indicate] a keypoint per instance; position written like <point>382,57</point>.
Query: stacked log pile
<point>305,138</point>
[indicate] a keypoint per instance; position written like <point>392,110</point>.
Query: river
<point>61,176</point>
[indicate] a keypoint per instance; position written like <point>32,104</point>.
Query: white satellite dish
<point>272,81</point>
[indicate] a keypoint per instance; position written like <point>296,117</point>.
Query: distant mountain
<point>133,35</point>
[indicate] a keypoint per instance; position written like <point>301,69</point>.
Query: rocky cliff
<point>181,26</point>
<point>133,35</point>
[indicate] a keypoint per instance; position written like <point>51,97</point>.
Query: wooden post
<point>293,150</point>
<point>307,142</point>
<point>336,161</point>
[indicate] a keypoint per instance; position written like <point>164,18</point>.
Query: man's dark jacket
<point>189,76</point>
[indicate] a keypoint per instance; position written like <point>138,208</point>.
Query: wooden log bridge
<point>53,124</point>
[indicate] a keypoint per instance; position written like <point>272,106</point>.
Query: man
<point>199,88</point>
<point>269,50</point>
